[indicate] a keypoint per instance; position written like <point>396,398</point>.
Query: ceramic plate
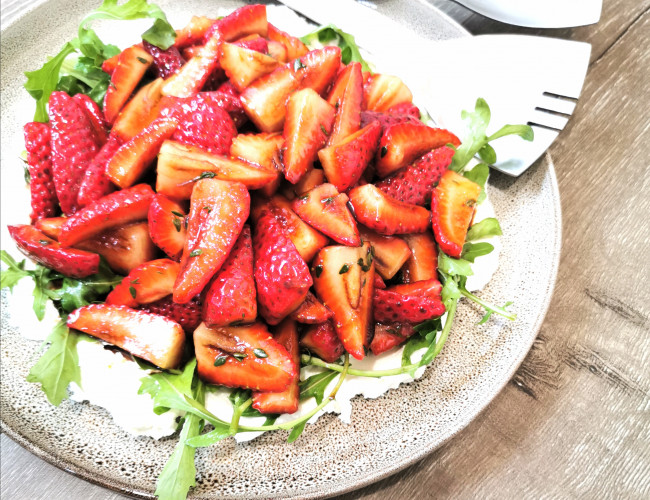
<point>386,434</point>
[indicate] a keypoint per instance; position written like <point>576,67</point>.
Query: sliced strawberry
<point>253,42</point>
<point>206,124</point>
<point>46,251</point>
<point>146,283</point>
<point>124,248</point>
<point>348,105</point>
<point>307,240</point>
<point>386,120</point>
<point>404,142</point>
<point>423,262</point>
<point>231,296</point>
<point>326,210</point>
<point>187,315</point>
<point>311,311</point>
<point>167,225</point>
<point>384,91</point>
<point>295,48</point>
<point>345,162</point>
<point>392,306</point>
<point>379,283</point>
<point>50,226</point>
<point>286,334</point>
<point>262,149</point>
<point>218,210</point>
<point>388,336</point>
<point>134,157</point>
<point>390,252</point>
<point>426,288</point>
<point>180,166</point>
<point>148,336</point>
<point>343,280</point>
<point>95,183</point>
<point>281,275</point>
<point>116,209</point>
<point>243,66</point>
<point>314,178</point>
<point>74,145</point>
<point>109,65</point>
<point>194,74</point>
<point>140,111</point>
<point>323,341</point>
<point>131,67</point>
<point>278,51</point>
<point>405,109</point>
<point>39,160</point>
<point>386,215</point>
<point>228,98</point>
<point>309,122</point>
<point>243,356</point>
<point>453,205</point>
<point>193,32</point>
<point>167,62</point>
<point>247,20</point>
<point>265,99</point>
<point>319,68</point>
<point>95,116</point>
<point>415,183</point>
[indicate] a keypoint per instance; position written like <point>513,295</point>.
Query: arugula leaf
<point>161,34</point>
<point>349,48</point>
<point>477,140</point>
<point>453,267</point>
<point>209,438</point>
<point>491,311</point>
<point>14,273</point>
<point>473,250</point>
<point>296,432</point>
<point>168,390</point>
<point>479,174</point>
<point>483,229</point>
<point>415,343</point>
<point>450,290</point>
<point>316,385</point>
<point>59,365</point>
<point>75,293</point>
<point>179,473</point>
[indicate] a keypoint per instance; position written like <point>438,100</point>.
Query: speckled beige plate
<point>386,434</point>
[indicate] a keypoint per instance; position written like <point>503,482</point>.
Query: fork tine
<point>548,119</point>
<point>557,104</point>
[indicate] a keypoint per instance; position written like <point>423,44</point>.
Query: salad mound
<point>228,205</point>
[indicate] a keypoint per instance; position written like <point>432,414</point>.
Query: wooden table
<point>575,419</point>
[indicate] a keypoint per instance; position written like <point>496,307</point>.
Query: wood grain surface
<point>574,422</point>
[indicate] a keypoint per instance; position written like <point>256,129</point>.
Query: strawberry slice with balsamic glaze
<point>422,264</point>
<point>384,214</point>
<point>402,143</point>
<point>95,115</point>
<point>247,20</point>
<point>243,66</point>
<point>50,226</point>
<point>295,47</point>
<point>326,210</point>
<point>218,210</point>
<point>44,250</point>
<point>231,296</point>
<point>95,183</point>
<point>390,252</point>
<point>39,160</point>
<point>148,336</point>
<point>281,274</point>
<point>319,67</point>
<point>390,305</point>
<point>415,183</point>
<point>167,62</point>
<point>321,340</point>
<point>187,315</point>
<point>74,145</point>
<point>167,225</point>
<point>132,64</point>
<point>386,120</point>
<point>311,311</point>
<point>388,336</point>
<point>193,32</point>
<point>347,104</point>
<point>143,108</point>
<point>453,205</point>
<point>146,283</point>
<point>243,356</point>
<point>381,92</point>
<point>227,97</point>
<point>404,109</point>
<point>286,334</point>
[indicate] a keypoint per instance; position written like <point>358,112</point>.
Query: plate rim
<point>78,470</point>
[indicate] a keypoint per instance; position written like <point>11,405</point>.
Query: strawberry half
<point>231,296</point>
<point>228,98</point>
<point>143,108</point>
<point>167,225</point>
<point>326,210</point>
<point>391,306</point>
<point>95,115</point>
<point>323,341</point>
<point>295,48</point>
<point>309,122</point>
<point>132,64</point>
<point>281,275</point>
<point>415,183</point>
<point>39,161</point>
<point>312,179</point>
<point>381,92</point>
<point>218,210</point>
<point>116,209</point>
<point>311,311</point>
<point>348,105</point>
<point>390,252</point>
<point>345,162</point>
<point>402,143</point>
<point>95,183</point>
<point>244,356</point>
<point>167,62</point>
<point>426,288</point>
<point>146,283</point>
<point>193,32</point>
<point>74,145</point>
<point>148,336</point>
<point>453,205</point>
<point>244,21</point>
<point>46,251</point>
<point>194,74</point>
<point>243,66</point>
<point>187,315</point>
<point>264,150</point>
<point>404,109</point>
<point>343,280</point>
<point>422,264</point>
<point>386,215</point>
<point>386,120</point>
<point>319,67</point>
<point>278,51</point>
<point>286,334</point>
<point>388,336</point>
<point>50,226</point>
